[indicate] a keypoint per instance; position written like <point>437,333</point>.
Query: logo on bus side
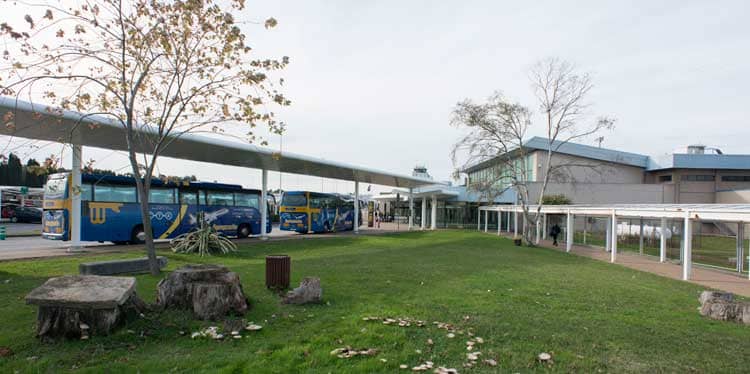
<point>98,211</point>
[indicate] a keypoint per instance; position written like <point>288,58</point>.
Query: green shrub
<point>203,240</point>
<point>556,200</point>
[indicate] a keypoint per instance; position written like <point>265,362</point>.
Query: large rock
<point>112,267</point>
<point>210,291</point>
<point>78,306</point>
<point>723,307</point>
<point>309,291</point>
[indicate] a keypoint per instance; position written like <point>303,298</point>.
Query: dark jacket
<point>555,231</point>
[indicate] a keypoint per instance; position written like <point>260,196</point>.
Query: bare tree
<point>497,131</point>
<point>158,68</point>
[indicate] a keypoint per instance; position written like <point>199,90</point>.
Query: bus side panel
<point>320,219</point>
<point>165,220</point>
<point>346,221</point>
<point>106,221</point>
<point>228,219</point>
<point>293,221</point>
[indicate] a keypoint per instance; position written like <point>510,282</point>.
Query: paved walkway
<point>20,248</point>
<point>713,278</point>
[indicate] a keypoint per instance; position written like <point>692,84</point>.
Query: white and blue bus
<point>110,210</point>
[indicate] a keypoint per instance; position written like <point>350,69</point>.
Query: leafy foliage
<point>556,200</point>
<point>203,240</point>
<point>496,130</point>
<point>13,173</point>
<point>158,68</point>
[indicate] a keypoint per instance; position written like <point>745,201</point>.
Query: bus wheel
<point>138,236</point>
<point>243,231</point>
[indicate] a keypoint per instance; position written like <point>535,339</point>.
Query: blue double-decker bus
<point>305,211</point>
<point>110,210</point>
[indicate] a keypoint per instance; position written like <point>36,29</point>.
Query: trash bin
<point>278,270</point>
<point>2,232</point>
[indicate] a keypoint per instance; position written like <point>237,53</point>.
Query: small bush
<point>203,240</point>
<point>556,200</point>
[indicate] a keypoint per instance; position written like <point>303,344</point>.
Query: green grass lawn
<point>589,315</point>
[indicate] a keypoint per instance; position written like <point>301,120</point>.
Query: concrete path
<point>26,229</point>
<point>713,278</point>
<point>20,248</point>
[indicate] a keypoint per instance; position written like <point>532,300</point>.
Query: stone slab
<point>83,292</point>
<point>126,266</point>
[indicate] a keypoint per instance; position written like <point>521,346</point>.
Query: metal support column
<point>411,209</point>
<point>613,240</point>
<point>688,248</point>
<point>640,237</point>
<point>585,225</point>
<point>608,235</point>
<point>544,226</point>
<point>75,208</point>
<point>479,219</point>
<point>569,233</point>
<point>264,205</point>
<point>663,241</point>
<point>486,218</point>
<point>515,224</point>
<point>499,221</point>
<point>433,216</point>
<point>356,207</point>
<point>423,224</point>
<point>740,247</point>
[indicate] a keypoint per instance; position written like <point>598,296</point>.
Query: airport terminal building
<point>592,175</point>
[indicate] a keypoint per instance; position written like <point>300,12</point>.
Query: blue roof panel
<point>587,151</point>
<point>707,161</point>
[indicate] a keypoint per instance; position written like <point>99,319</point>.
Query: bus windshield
<point>294,200</point>
<point>55,188</point>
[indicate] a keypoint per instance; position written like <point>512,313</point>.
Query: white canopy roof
<point>36,121</point>
<point>707,212</point>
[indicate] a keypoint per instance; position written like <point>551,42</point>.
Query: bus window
<point>316,202</point>
<point>246,199</point>
<point>86,192</point>
<point>220,198</point>
<point>189,197</point>
<point>294,200</point>
<point>330,202</point>
<point>123,194</point>
<point>161,195</point>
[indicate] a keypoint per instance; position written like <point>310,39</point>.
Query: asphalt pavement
<point>25,247</point>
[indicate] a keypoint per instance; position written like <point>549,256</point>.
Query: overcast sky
<point>373,83</point>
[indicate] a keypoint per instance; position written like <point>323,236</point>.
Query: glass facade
<point>523,168</point>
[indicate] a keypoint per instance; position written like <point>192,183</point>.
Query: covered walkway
<point>41,122</point>
<point>713,278</point>
<point>689,214</point>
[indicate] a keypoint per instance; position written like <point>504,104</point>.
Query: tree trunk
<point>143,187</point>
<point>74,323</point>
<point>210,291</point>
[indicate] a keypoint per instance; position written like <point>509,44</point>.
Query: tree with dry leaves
<point>498,128</point>
<point>158,68</point>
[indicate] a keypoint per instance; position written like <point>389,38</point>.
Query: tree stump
<point>80,306</point>
<point>723,307</point>
<point>210,291</point>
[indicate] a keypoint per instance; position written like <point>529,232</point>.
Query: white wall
<point>733,197</point>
